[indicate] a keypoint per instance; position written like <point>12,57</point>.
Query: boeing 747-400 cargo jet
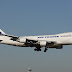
<point>48,41</point>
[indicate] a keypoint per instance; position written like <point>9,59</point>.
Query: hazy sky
<point>35,17</point>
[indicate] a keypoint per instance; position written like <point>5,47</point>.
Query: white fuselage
<point>62,39</point>
<point>6,40</point>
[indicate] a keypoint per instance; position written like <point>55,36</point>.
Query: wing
<point>40,43</point>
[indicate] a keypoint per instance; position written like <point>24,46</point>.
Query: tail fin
<point>1,32</point>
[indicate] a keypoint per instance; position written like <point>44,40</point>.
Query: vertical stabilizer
<point>1,32</point>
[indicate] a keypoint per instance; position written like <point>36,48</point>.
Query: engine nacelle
<point>59,47</point>
<point>22,40</point>
<point>43,43</point>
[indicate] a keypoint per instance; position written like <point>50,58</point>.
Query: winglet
<point>1,32</point>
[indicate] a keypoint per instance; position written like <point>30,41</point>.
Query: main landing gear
<point>45,49</point>
<point>39,49</point>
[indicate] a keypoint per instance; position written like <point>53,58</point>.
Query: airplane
<point>48,41</point>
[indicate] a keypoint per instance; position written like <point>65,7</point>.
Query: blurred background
<point>35,17</point>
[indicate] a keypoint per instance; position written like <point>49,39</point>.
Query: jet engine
<point>22,40</point>
<point>43,43</point>
<point>59,47</point>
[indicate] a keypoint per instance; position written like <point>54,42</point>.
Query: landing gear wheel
<point>37,49</point>
<point>40,49</point>
<point>45,50</point>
